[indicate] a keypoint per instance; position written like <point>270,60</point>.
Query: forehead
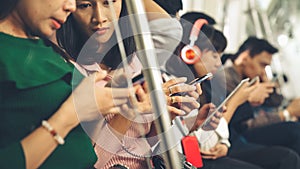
<point>263,57</point>
<point>211,53</point>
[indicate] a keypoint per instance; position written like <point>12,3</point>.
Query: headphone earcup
<point>190,54</point>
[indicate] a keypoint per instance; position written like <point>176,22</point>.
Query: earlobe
<point>242,58</point>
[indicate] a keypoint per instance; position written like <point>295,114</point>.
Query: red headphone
<point>191,53</point>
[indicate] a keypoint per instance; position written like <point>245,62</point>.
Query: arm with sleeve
<point>31,93</point>
<point>208,139</point>
<point>166,34</point>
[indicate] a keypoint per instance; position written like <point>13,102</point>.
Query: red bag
<point>191,151</point>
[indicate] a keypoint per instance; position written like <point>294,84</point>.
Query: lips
<point>100,31</point>
<point>57,23</point>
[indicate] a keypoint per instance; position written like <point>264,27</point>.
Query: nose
<point>99,15</point>
<point>70,6</point>
<point>262,74</point>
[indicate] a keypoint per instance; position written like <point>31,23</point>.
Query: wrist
<point>65,117</point>
<point>59,139</point>
<point>290,111</point>
<point>234,103</point>
<point>225,143</point>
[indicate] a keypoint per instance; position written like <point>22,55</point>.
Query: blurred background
<point>278,21</point>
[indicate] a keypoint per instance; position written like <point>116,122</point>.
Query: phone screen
<point>139,79</point>
<point>224,101</point>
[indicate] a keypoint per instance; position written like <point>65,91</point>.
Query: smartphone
<point>201,79</point>
<point>194,82</point>
<point>269,72</point>
<point>224,101</point>
<point>254,80</point>
<point>139,79</point>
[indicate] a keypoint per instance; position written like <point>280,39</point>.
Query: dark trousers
<point>267,157</point>
<point>286,134</point>
<point>227,163</point>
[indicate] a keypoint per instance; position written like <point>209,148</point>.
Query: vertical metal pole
<point>146,53</point>
<point>267,26</point>
<point>225,10</point>
<point>255,18</point>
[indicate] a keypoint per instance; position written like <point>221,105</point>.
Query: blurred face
<point>42,17</point>
<point>209,62</point>
<point>94,16</point>
<point>255,66</point>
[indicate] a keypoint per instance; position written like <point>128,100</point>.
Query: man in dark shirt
<point>250,61</point>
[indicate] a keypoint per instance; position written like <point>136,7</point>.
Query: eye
<point>106,2</point>
<point>263,64</point>
<point>83,5</point>
<point>216,56</point>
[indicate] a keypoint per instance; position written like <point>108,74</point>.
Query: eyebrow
<point>264,63</point>
<point>85,0</point>
<point>90,1</point>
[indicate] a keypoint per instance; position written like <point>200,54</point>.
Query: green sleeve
<point>12,156</point>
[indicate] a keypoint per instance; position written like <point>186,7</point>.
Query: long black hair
<point>71,39</point>
<point>171,7</point>
<point>6,7</point>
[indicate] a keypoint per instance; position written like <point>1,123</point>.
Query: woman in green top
<point>35,84</point>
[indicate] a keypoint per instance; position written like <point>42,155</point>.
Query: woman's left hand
<point>141,101</point>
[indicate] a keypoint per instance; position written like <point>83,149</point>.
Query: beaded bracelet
<point>55,135</point>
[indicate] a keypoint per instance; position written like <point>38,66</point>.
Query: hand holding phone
<point>194,82</point>
<point>201,79</point>
<point>219,108</point>
<point>254,80</point>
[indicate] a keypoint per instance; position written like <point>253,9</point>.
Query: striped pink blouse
<point>131,150</point>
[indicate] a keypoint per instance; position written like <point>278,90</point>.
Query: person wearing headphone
<point>199,53</point>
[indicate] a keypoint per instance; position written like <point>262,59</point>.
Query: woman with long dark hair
<point>93,42</point>
<point>39,127</point>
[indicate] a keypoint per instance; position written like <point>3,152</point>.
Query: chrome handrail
<point>147,56</point>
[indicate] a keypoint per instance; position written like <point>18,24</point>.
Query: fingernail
<point>198,105</point>
<point>182,113</point>
<point>183,78</point>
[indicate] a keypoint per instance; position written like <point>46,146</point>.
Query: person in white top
<point>214,145</point>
